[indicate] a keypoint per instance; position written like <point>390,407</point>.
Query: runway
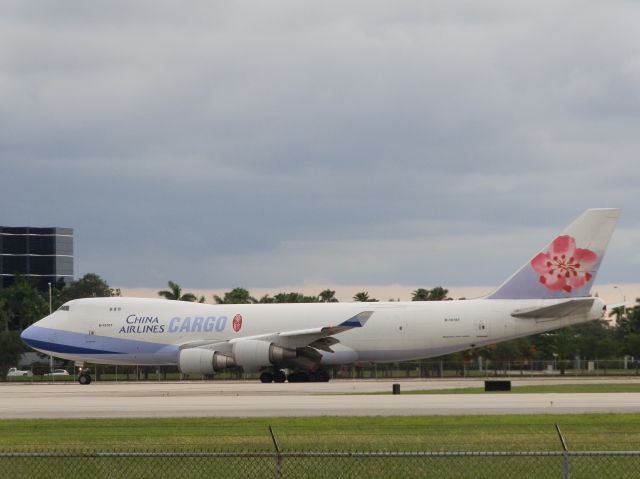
<point>252,399</point>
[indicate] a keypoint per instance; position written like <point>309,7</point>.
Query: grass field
<point>79,440</point>
<point>422,433</point>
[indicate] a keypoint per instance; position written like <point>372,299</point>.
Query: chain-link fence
<point>476,368</point>
<point>111,465</point>
<point>479,368</point>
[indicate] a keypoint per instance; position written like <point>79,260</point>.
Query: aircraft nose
<point>28,335</point>
<point>33,336</point>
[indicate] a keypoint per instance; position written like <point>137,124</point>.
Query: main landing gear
<point>279,376</point>
<point>273,377</point>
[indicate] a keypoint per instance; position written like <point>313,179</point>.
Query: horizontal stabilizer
<point>557,311</point>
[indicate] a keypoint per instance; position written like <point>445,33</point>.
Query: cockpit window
<point>64,307</point>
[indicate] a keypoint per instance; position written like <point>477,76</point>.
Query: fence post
<point>278,456</point>
<point>566,465</point>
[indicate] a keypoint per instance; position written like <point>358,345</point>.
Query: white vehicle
<point>550,291</point>
<point>57,372</point>
<point>13,372</point>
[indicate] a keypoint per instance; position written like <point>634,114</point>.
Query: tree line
<point>242,296</point>
<point>22,304</point>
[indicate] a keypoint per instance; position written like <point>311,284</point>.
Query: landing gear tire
<point>300,377</point>
<point>266,377</point>
<point>279,377</point>
<point>295,378</point>
<point>84,379</point>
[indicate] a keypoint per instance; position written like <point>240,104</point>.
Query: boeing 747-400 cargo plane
<point>299,341</point>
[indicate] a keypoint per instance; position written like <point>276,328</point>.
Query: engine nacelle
<point>202,361</point>
<point>253,354</point>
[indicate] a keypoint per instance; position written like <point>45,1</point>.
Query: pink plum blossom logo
<point>237,322</point>
<point>564,267</point>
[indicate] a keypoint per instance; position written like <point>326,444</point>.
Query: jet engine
<point>253,354</point>
<point>203,361</point>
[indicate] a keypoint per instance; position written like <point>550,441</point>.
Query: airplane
<point>299,342</point>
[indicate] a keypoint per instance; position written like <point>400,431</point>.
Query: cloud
<point>247,143</point>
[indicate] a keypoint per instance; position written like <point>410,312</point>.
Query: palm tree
<point>235,296</point>
<point>328,296</point>
<point>175,293</point>
<point>294,297</point>
<point>363,297</point>
<point>438,294</point>
<point>420,294</point>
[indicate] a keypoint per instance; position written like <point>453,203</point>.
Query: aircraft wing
<point>314,337</point>
<point>319,338</point>
<point>356,321</point>
<point>557,311</point>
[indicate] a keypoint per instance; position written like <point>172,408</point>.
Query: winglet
<point>357,321</point>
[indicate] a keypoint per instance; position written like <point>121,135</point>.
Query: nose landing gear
<point>84,378</point>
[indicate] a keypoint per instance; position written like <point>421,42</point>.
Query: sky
<point>284,143</point>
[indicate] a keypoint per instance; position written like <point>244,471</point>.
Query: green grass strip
<point>414,433</point>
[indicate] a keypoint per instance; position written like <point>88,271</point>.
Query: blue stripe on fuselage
<point>64,348</point>
<point>68,342</point>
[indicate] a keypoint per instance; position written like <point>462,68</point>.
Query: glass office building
<point>44,254</point>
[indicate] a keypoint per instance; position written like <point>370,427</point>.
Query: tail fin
<point>568,265</point>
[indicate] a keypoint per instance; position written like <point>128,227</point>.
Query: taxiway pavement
<point>252,399</point>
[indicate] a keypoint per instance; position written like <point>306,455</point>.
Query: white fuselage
<point>151,331</point>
